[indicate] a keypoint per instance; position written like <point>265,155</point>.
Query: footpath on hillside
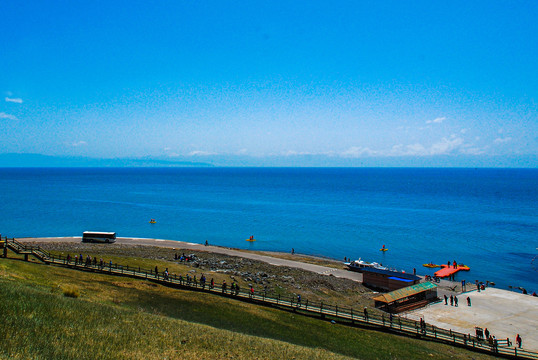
<point>319,269</point>
<point>503,312</point>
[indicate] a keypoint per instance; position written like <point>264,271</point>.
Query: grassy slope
<point>126,318</point>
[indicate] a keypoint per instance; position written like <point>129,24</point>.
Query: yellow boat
<point>152,221</point>
<point>430,265</point>
<point>251,238</point>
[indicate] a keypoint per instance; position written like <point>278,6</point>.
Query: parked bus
<point>97,236</point>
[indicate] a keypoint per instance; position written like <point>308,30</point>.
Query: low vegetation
<point>123,318</point>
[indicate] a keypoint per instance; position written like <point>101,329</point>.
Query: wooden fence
<point>344,315</point>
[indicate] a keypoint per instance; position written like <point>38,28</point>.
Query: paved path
<point>504,313</point>
<point>324,270</point>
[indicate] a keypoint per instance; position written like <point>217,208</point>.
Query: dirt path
<point>324,270</point>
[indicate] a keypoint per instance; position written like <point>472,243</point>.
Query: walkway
<point>324,270</point>
<point>344,315</point>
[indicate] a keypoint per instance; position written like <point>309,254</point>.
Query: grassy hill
<point>112,317</point>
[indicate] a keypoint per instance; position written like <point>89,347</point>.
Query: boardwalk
<point>349,316</point>
<point>324,270</point>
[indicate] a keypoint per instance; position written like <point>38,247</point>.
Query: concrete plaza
<point>504,313</point>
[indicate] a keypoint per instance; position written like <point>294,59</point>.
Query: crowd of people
<point>87,261</point>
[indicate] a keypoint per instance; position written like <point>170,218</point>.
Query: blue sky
<point>272,83</point>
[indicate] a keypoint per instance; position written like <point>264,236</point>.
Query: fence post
<point>336,310</point>
<point>352,320</point>
<point>306,304</point>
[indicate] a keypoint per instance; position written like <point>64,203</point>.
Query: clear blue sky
<point>272,82</point>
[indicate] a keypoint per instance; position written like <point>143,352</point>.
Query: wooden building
<point>387,280</point>
<point>408,298</point>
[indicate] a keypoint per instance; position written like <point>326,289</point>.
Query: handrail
<point>385,322</point>
<point>19,248</point>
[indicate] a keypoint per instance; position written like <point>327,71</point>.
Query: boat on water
<point>152,221</point>
<point>431,265</point>
<point>359,265</point>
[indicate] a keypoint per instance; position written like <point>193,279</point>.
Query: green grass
<point>311,286</point>
<point>117,317</point>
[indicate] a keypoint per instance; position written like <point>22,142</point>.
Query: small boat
<point>383,248</point>
<point>251,238</point>
<point>431,265</point>
<point>152,221</point>
<point>358,265</point>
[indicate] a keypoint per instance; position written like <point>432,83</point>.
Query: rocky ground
<point>275,279</point>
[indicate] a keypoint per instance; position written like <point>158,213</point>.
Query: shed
<point>387,280</point>
<point>407,298</point>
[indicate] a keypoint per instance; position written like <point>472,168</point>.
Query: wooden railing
<point>345,315</point>
<point>21,248</point>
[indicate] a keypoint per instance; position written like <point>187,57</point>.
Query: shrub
<point>71,291</point>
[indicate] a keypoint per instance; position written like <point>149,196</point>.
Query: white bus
<point>97,236</point>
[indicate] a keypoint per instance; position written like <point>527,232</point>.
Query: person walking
<point>455,301</point>
<point>468,301</point>
<point>365,313</point>
<point>165,275</point>
<point>518,341</point>
<point>451,300</point>
<point>446,300</point>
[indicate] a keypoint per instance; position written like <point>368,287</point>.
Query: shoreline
<point>273,258</point>
<point>265,257</point>
<point>502,311</point>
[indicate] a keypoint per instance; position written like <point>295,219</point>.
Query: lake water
<point>484,218</point>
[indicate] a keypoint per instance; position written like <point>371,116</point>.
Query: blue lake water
<point>484,218</point>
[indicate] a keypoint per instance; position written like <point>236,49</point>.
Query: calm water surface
<point>485,218</point>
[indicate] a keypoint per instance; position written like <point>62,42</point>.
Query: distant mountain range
<point>448,161</point>
<point>38,160</point>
